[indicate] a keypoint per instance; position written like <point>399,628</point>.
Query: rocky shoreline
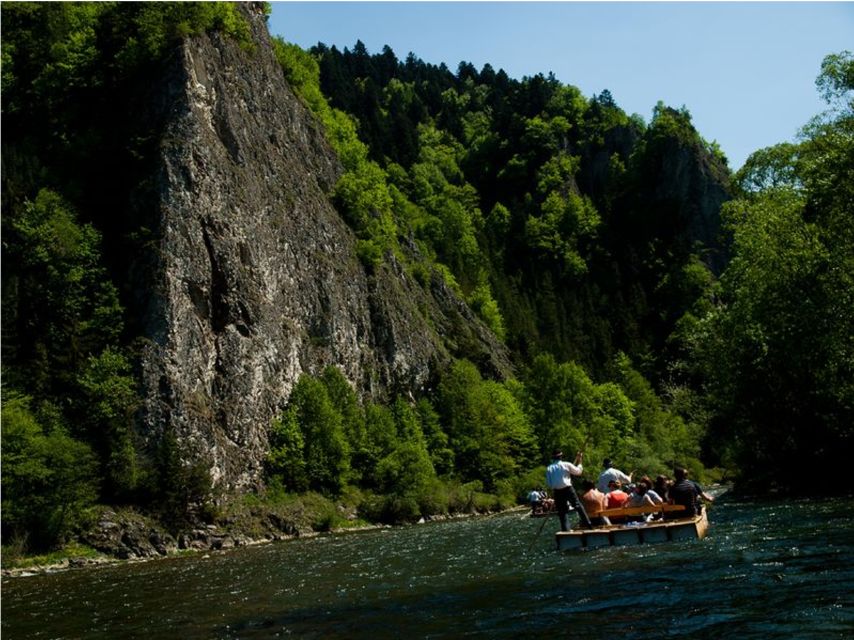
<point>130,536</point>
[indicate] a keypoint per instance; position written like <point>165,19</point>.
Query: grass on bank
<point>14,556</point>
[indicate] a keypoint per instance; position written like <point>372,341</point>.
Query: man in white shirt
<point>611,474</point>
<point>535,499</point>
<point>559,478</point>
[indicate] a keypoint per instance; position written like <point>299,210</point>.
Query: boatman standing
<point>559,478</point>
<point>609,474</point>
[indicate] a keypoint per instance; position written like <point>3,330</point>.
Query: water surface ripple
<point>766,570</point>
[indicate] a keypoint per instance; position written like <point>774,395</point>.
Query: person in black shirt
<point>687,493</point>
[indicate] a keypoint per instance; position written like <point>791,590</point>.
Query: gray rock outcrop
<point>255,278</point>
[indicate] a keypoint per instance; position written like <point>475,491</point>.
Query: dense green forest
<point>735,346</point>
<point>652,317</point>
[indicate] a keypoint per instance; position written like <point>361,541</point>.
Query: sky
<point>744,70</point>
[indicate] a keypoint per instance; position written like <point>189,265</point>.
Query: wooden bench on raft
<point>642,511</point>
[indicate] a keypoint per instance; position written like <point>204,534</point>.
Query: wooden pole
<point>539,531</point>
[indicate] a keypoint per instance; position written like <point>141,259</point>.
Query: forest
<point>658,307</point>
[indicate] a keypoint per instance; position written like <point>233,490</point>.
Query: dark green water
<point>766,570</point>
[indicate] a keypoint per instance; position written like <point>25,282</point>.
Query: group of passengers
<point>540,502</point>
<point>608,492</point>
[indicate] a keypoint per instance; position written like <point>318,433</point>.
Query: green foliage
<point>66,307</point>
<point>53,51</point>
<point>303,75</point>
<point>442,211</point>
<point>486,427</point>
<point>669,123</point>
<point>470,497</point>
<point>438,206</point>
<point>108,401</point>
<point>324,447</point>
<point>365,202</point>
<point>49,50</point>
<point>482,303</point>
<point>561,221</point>
<point>769,168</point>
<point>327,441</point>
<point>623,419</point>
<point>406,471</point>
<point>450,219</point>
<point>346,403</point>
<point>182,493</point>
<point>362,193</point>
<point>540,258</point>
<point>661,438</point>
<point>49,478</point>
<point>441,455</point>
<point>565,222</point>
<point>613,420</point>
<point>835,83</point>
<point>66,316</point>
<point>554,394</point>
<point>309,511</point>
<point>155,27</point>
<point>286,460</point>
<point>777,353</point>
<point>380,441</point>
<point>16,555</point>
<point>570,412</point>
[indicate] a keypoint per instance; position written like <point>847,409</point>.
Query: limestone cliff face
<point>255,278</point>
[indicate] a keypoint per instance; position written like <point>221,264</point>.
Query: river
<point>771,569</point>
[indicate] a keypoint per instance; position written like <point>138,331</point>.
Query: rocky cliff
<point>692,183</point>
<point>254,277</point>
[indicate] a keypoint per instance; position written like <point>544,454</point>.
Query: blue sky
<point>745,71</point>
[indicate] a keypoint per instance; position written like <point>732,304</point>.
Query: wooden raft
<point>632,533</point>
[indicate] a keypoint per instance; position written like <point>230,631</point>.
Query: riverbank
<point>124,536</point>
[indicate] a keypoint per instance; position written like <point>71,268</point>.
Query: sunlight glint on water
<point>766,570</point>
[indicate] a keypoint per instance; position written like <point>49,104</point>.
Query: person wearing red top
<point>616,496</point>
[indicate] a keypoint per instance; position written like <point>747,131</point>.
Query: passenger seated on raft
<point>650,490</point>
<point>687,493</point>
<point>616,499</point>
<point>640,497</point>
<point>540,502</point>
<point>535,499</point>
<point>662,486</point>
<point>594,502</point>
